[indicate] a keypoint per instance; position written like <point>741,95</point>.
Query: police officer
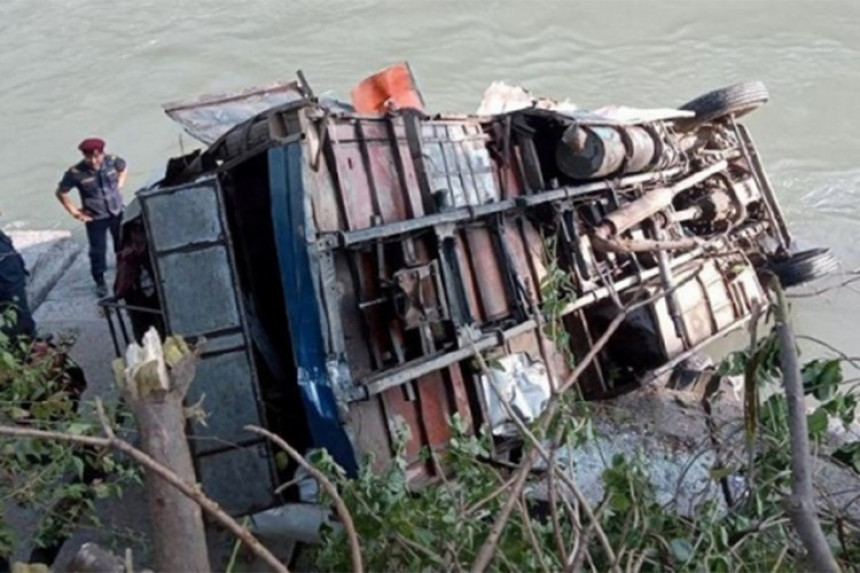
<point>98,178</point>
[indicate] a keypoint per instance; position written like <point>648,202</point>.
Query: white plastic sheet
<point>520,382</point>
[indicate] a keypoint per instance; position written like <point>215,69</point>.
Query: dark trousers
<point>97,231</point>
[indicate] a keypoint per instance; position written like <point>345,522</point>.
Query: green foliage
<point>445,523</point>
<point>556,293</point>
<point>821,378</point>
<point>48,476</point>
<point>849,454</point>
<point>442,525</point>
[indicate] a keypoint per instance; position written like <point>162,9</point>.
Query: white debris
<point>503,98</point>
<point>523,384</point>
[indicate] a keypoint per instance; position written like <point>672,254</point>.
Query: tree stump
<point>154,383</point>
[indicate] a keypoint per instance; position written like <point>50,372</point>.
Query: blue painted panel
<point>297,271</point>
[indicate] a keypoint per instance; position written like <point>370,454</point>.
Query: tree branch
<point>802,500</point>
<point>191,491</point>
<point>488,548</point>
<point>326,484</point>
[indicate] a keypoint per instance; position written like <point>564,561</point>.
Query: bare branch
<point>326,484</point>
<point>802,499</point>
<point>537,447</point>
<point>488,548</point>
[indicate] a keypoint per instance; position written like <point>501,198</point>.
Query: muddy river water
<point>73,68</point>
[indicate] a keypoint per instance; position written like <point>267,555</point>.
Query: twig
<point>553,512</point>
<point>581,551</point>
<point>527,525</point>
<point>192,492</point>
<point>488,548</point>
<point>328,486</point>
<point>640,561</point>
<point>489,497</point>
<point>486,551</point>
<point>826,289</point>
<point>781,558</point>
<point>235,553</point>
<point>802,501</point>
<point>852,360</point>
<point>539,448</point>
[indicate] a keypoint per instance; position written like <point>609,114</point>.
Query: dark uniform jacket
<point>15,317</point>
<point>99,189</point>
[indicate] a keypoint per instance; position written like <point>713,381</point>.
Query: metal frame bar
<point>384,380</point>
<point>471,212</point>
<point>750,153</point>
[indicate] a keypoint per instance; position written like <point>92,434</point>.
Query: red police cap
<point>92,144</point>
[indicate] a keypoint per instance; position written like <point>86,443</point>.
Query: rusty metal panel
<point>435,410</point>
<point>425,407</point>
<point>458,164</point>
<point>402,411</point>
<point>369,432</point>
<point>389,194</point>
<point>528,254</point>
<point>488,274</point>
<point>326,201</point>
<point>410,177</point>
<point>355,189</point>
<point>459,394</point>
<point>469,279</point>
<point>375,170</point>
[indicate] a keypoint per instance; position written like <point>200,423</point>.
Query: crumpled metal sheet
<point>210,116</point>
<point>523,384</point>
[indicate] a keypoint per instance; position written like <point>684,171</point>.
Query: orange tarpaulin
<point>393,87</point>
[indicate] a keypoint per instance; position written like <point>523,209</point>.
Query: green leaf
<point>821,378</point>
<point>496,365</point>
<point>78,428</point>
<point>79,466</point>
<point>817,423</point>
<point>18,414</point>
<point>282,460</point>
<point>849,454</point>
<point>681,549</point>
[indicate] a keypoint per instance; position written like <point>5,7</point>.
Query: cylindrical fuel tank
<point>593,152</point>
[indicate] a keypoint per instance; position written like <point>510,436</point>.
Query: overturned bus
<point>345,264</point>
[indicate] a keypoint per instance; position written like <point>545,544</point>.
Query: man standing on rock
<point>98,178</point>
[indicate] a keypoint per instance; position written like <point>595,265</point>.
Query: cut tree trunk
<point>154,383</point>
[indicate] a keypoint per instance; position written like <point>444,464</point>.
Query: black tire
<point>739,99</point>
<point>805,266</point>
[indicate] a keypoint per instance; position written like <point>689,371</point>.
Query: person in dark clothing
<point>15,317</point>
<point>98,178</point>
